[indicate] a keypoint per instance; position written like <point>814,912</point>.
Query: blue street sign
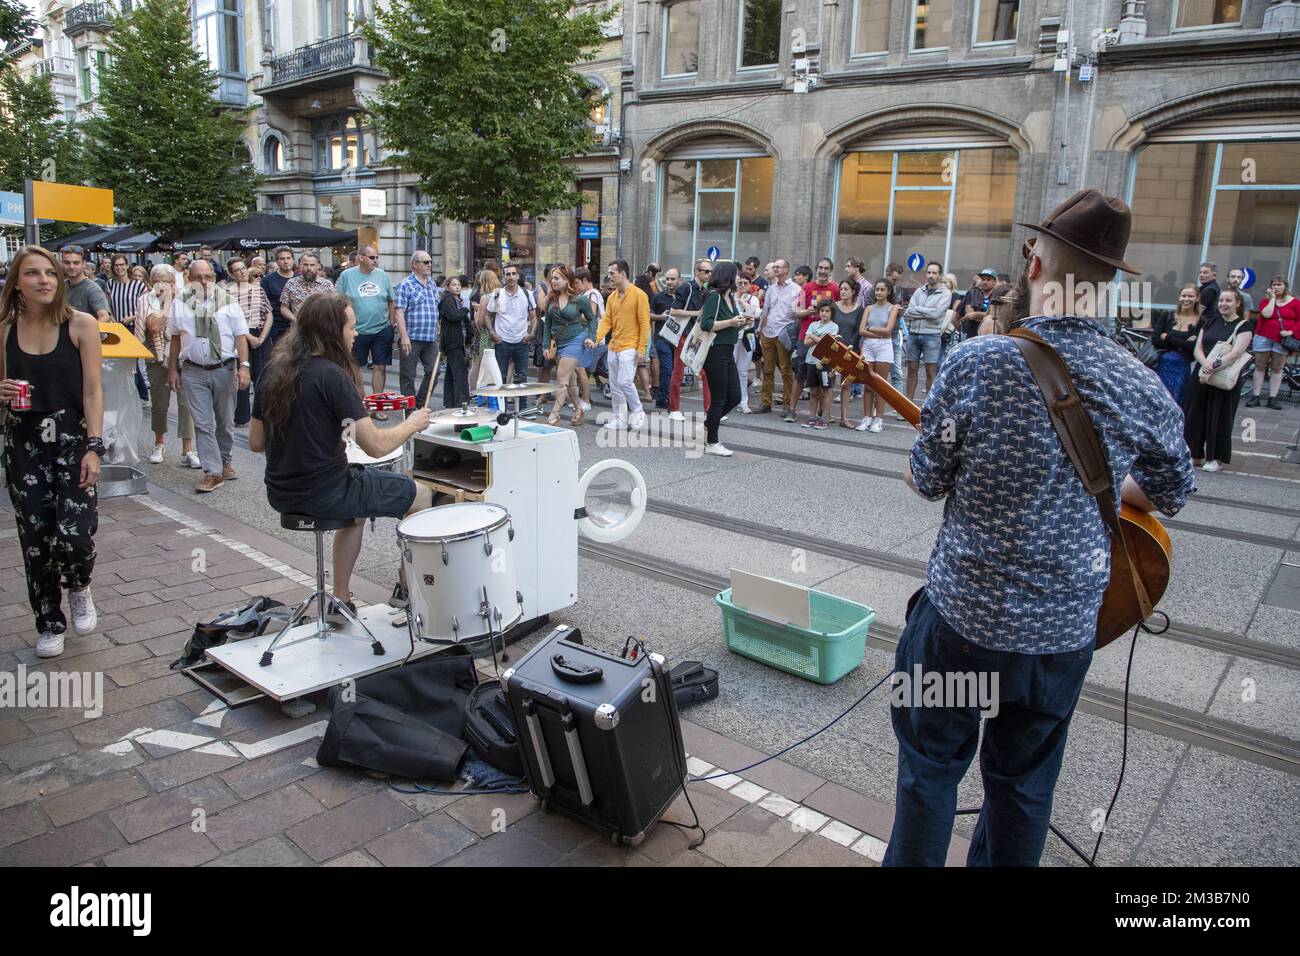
<point>713,253</point>
<point>1249,281</point>
<point>588,229</point>
<point>11,209</point>
<point>916,262</point>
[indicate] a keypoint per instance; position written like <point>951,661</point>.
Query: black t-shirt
<point>273,285</point>
<point>309,458</point>
<point>660,305</point>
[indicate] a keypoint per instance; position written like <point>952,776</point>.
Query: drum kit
<point>460,573</point>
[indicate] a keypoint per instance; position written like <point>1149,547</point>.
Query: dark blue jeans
<point>664,350</point>
<point>513,353</point>
<point>1019,760</point>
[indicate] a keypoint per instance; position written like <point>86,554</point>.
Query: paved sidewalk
<point>168,776</point>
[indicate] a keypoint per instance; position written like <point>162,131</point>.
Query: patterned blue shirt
<point>1023,557</point>
<point>420,302</point>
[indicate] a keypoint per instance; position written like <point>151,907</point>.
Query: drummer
<point>308,402</point>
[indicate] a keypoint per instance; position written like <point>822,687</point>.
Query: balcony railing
<point>314,58</point>
<point>56,66</point>
<point>87,15</point>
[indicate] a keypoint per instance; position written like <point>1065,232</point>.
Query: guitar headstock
<point>840,357</point>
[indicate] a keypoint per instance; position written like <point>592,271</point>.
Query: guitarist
<point>1022,557</point>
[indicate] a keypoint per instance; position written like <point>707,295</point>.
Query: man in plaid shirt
<point>416,310</point>
<point>306,283</point>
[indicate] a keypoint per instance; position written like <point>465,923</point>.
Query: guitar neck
<point>852,365</point>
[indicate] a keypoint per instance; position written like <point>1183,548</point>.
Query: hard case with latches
<point>600,734</point>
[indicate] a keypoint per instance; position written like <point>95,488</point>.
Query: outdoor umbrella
<point>128,239</point>
<point>87,238</point>
<point>264,230</point>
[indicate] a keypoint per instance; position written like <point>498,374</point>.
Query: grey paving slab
<point>860,509</point>
<point>1223,812</point>
<point>1167,671</point>
<point>701,546</point>
<point>1275,625</point>
<point>273,851</point>
<point>425,842</point>
<point>885,592</point>
<point>1238,519</point>
<point>1216,582</point>
<point>1263,696</point>
<point>1284,590</point>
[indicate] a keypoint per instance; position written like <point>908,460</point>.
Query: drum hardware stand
<point>320,597</point>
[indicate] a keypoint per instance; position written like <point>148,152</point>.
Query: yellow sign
<point>72,203</point>
<point>118,342</point>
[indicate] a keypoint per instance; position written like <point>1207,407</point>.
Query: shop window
<point>681,35</point>
<point>725,203</point>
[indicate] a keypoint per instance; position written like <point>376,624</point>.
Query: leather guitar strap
<point>1078,436</point>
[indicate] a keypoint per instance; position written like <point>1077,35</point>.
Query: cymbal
<point>518,391</point>
<point>463,417</point>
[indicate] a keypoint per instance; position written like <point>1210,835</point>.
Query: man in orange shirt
<point>627,317</point>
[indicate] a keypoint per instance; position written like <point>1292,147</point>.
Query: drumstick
<point>437,361</point>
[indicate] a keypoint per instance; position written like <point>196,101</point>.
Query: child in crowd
<point>817,375</point>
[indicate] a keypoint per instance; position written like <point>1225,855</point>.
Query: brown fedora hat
<point>1092,223</point>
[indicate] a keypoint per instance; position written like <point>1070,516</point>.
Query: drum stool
<point>320,597</point>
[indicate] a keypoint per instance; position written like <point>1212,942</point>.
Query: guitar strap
<point>1079,438</point>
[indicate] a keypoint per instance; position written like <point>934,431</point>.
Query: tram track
<point>1176,723</point>
<point>1217,641</point>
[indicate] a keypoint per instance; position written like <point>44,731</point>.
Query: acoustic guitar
<point>1148,542</point>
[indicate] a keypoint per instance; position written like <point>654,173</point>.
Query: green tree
<point>483,103</point>
<point>174,158</point>
<point>35,142</point>
<point>15,23</point>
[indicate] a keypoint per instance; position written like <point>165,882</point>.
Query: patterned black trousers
<point>56,519</point>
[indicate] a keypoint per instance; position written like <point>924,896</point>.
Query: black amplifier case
<point>600,734</point>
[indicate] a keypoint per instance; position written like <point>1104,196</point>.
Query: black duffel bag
<point>408,721</point>
<point>490,729</point>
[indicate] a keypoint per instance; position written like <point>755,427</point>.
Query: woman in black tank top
<point>51,448</point>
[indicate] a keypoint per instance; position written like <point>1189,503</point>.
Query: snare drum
<point>460,572</point>
<point>394,461</point>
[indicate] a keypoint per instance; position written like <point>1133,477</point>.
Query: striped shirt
<point>123,298</point>
<point>253,301</point>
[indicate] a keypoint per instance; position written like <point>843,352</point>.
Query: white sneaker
<point>877,425</point>
<point>637,420</point>
<point>156,456</point>
<point>723,418</point>
<point>191,460</point>
<point>586,406</point>
<point>676,417</point>
<point>865,425</point>
<point>718,449</point>
<point>84,617</point>
<point>614,425</point>
<point>744,410</point>
<point>49,645</point>
<point>1211,465</point>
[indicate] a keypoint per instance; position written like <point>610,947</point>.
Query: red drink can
<point>22,402</point>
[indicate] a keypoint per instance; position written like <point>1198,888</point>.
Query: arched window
<point>714,192</point>
<point>946,193</point>
<point>597,96</point>
<point>273,154</point>
<point>1222,188</point>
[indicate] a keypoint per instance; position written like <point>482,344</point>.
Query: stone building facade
<point>891,128</point>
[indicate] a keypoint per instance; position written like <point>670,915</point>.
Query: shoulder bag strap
<point>1078,436</point>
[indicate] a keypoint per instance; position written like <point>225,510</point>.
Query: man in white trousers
<point>627,322</point>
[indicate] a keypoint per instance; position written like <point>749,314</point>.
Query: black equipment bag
<point>600,734</point>
<point>252,620</point>
<point>693,683</point>
<point>408,721</point>
<point>490,729</point>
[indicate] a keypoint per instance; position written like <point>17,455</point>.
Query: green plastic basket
<point>832,647</point>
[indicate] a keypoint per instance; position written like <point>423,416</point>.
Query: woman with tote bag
<point>721,315</point>
<point>1214,391</point>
